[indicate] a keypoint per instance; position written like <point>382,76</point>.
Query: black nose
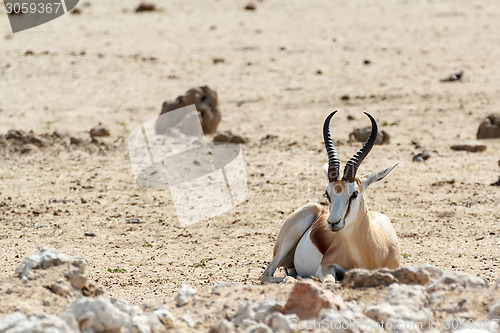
<point>334,223</point>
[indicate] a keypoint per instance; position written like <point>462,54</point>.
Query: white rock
<point>223,326</point>
<point>162,318</point>
<point>263,310</point>
<point>348,321</point>
<point>186,317</point>
<point>457,281</point>
<point>19,323</point>
<point>131,310</point>
<point>97,314</point>
<point>183,294</point>
<point>138,324</point>
<point>11,320</point>
<point>280,323</point>
<point>246,323</point>
<point>494,310</point>
<point>258,328</point>
<point>245,311</point>
<point>46,258</point>
<point>403,305</point>
<point>260,315</point>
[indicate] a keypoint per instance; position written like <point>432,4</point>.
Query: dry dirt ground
<point>286,66</point>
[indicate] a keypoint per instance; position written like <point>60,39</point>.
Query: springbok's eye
<point>354,195</point>
<point>326,195</point>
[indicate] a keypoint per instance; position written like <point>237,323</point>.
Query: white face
<point>345,199</point>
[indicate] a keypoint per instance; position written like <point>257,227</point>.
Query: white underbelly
<point>307,258</point>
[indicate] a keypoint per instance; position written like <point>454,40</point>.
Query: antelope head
<point>346,194</point>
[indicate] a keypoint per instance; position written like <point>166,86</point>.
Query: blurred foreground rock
<point>408,299</point>
<point>206,103</point>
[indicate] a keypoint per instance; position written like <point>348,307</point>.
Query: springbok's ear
<point>325,170</point>
<point>373,177</point>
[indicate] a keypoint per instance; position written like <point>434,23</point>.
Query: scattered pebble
<point>206,101</point>
<point>489,127</point>
<point>472,147</point>
<point>134,221</point>
<point>362,134</point>
<point>184,293</point>
<point>228,136</point>
<point>89,234</point>
<point>98,131</point>
<point>145,7</point>
<point>420,157</point>
<point>454,76</point>
<point>250,6</point>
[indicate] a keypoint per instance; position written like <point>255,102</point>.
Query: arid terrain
<point>278,71</point>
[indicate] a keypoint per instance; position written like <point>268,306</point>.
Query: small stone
<point>289,280</point>
<point>421,157</point>
<point>362,134</point>
<point>489,127</point>
<point>145,7</point>
<point>244,312</point>
<point>186,317</point>
<point>364,278</point>
<point>60,288</point>
<point>403,303</point>
<point>472,147</point>
<point>421,274</point>
<point>133,221</point>
<point>206,102</point>
<point>75,141</point>
<point>96,314</point>
<point>367,62</point>
<point>46,258</point>
<point>457,281</point>
<point>494,310</point>
<point>454,76</point>
<point>307,300</point>
<point>89,234</point>
<point>228,136</point>
<point>98,131</point>
<point>218,60</point>
<point>250,6</point>
<point>258,328</point>
<point>183,294</point>
<point>281,323</point>
<point>345,97</point>
<point>223,326</point>
<point>76,278</point>
<point>164,317</point>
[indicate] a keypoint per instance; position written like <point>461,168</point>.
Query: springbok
<point>324,243</point>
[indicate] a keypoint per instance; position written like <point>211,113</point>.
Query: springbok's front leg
<point>330,273</point>
<point>292,231</point>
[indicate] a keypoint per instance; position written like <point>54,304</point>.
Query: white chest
<point>307,258</point>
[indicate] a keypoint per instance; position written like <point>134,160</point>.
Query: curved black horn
<point>333,158</point>
<point>353,164</point>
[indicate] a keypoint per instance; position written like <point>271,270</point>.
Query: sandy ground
<point>112,65</point>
